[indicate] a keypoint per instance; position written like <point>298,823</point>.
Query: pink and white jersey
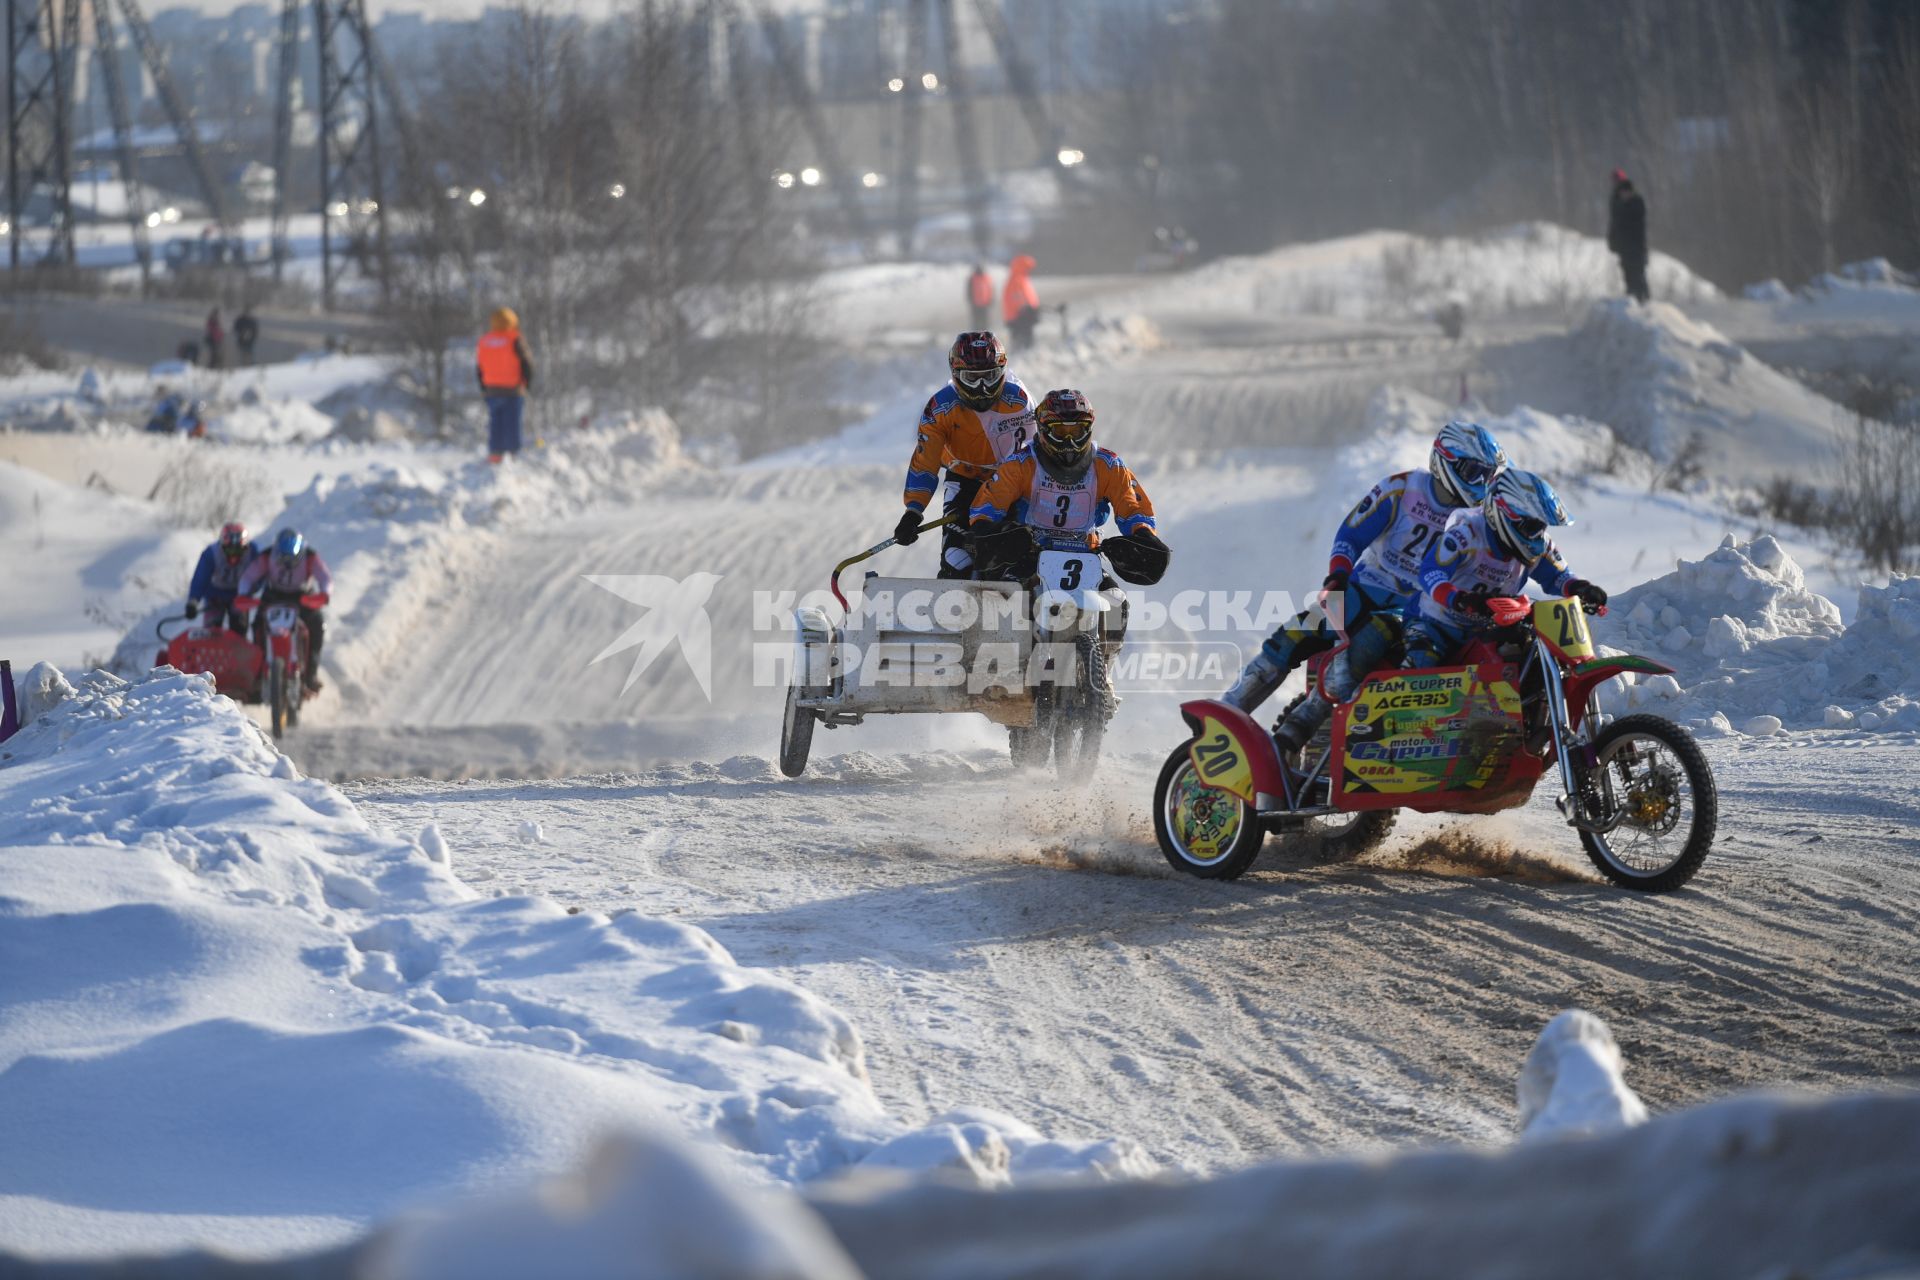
<point>306,573</point>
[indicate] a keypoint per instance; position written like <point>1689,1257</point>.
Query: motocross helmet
<point>1464,461</point>
<point>978,361</point>
<point>289,546</point>
<point>1063,435</point>
<point>1520,507</point>
<point>233,541</point>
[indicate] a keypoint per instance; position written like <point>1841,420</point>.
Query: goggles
<point>1471,470</point>
<point>979,379</point>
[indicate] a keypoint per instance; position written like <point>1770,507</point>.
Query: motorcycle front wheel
<point>1655,794</point>
<point>1202,830</point>
<point>277,695</point>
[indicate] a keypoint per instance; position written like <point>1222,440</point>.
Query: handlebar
<point>1509,611</point>
<point>311,600</point>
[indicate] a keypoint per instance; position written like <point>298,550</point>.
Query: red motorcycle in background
<point>267,669</point>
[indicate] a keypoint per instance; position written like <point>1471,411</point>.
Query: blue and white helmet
<point>1520,507</point>
<point>288,546</point>
<point>1465,460</point>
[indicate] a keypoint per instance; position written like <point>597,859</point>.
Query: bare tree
<point>1823,158</point>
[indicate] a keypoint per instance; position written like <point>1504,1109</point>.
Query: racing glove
<point>1335,581</point>
<point>1590,595</point>
<point>1471,602</point>
<point>193,608</point>
<point>907,532</point>
<point>1147,537</point>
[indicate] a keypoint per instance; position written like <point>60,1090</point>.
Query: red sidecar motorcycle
<point>1468,738</point>
<point>242,669</point>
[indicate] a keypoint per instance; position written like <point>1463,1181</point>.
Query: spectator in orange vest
<point>980,296</point>
<point>1019,304</point>
<point>505,371</point>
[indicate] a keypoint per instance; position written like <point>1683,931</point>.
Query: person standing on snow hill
<point>216,579</point>
<point>216,340</point>
<point>1486,554</point>
<point>1061,484</point>
<point>1627,234</point>
<point>505,371</point>
<point>281,575</point>
<point>980,295</point>
<point>246,332</point>
<point>1019,304</point>
<point>978,420</point>
<point>1373,573</point>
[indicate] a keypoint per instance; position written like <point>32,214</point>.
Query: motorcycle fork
<point>1569,802</point>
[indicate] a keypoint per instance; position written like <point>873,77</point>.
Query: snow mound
<point>1669,384</point>
<point>1573,1082</point>
<point>1749,643</point>
<point>236,1015</point>
<point>1392,275</point>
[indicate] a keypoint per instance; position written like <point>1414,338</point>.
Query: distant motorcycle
<point>1473,737</point>
<point>266,669</point>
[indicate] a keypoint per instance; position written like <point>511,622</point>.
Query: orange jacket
<point>980,289</point>
<point>503,362</point>
<point>1110,489</point>
<point>1019,294</point>
<point>968,443</point>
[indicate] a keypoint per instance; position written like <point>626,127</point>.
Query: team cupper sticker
<point>1417,733</point>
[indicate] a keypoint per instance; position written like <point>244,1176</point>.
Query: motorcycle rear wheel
<point>1338,837</point>
<point>1654,778</point>
<point>1202,831</point>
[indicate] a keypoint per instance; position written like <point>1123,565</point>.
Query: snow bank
<point>397,533</point>
<point>1752,648</point>
<point>1392,275</point>
<point>1667,383</point>
<point>1752,1186</point>
<point>235,1015</point>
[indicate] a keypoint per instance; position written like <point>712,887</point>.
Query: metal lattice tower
<point>289,51</point>
<point>37,148</point>
<point>122,137</point>
<point>155,59</point>
<point>353,208</point>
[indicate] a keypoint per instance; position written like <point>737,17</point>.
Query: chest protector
<point>1062,508</point>
<point>1393,561</point>
<point>226,573</point>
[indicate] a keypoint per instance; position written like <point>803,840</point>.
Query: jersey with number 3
<point>1024,491</point>
<point>1385,538</point>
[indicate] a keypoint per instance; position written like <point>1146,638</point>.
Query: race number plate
<point>1219,761</point>
<point>1564,624</point>
<point>1069,571</point>
<point>281,617</point>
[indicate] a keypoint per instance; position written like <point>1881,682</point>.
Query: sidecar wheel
<point>1202,830</point>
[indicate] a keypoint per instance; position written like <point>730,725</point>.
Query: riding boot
<point>1255,685</point>
<point>1300,724</point>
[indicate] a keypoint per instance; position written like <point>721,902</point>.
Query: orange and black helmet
<point>1064,432</point>
<point>979,364</point>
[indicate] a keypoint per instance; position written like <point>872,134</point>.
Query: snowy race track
<point>998,945</point>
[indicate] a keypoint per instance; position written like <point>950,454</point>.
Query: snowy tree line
<point>1772,137</point>
<point>581,174</point>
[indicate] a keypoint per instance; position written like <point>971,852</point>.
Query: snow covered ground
<point>409,939</point>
